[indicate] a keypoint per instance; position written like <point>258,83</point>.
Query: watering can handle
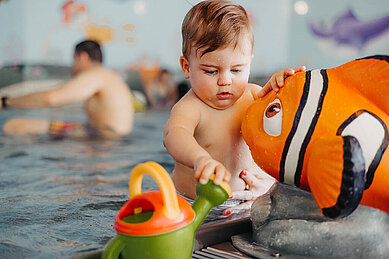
<point>114,247</point>
<point>170,203</point>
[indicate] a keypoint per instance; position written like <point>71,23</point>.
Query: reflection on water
<point>60,198</point>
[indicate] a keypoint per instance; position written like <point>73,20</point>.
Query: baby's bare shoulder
<point>254,87</point>
<point>190,102</point>
<point>186,109</point>
<point>252,91</point>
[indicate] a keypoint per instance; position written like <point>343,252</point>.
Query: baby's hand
<point>277,80</point>
<point>205,166</point>
<point>256,186</point>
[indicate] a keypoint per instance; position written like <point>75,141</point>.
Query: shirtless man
<point>107,100</point>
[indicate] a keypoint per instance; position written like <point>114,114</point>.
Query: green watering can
<point>161,224</point>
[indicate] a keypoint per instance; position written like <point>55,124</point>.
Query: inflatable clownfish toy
<point>326,131</point>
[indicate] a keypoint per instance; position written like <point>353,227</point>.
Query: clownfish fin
<point>336,175</point>
<point>369,76</point>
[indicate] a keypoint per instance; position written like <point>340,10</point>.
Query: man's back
<point>110,108</point>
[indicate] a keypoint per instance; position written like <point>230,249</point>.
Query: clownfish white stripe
<point>303,126</point>
<point>370,142</point>
<point>372,135</point>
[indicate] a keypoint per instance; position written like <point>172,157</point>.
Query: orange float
<point>326,131</point>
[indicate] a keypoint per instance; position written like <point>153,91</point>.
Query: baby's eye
<point>236,70</point>
<point>211,72</point>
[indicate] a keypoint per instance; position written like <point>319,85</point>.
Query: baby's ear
<point>184,66</point>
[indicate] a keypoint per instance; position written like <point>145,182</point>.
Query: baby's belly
<point>184,181</point>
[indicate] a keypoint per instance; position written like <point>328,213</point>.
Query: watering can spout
<point>209,195</point>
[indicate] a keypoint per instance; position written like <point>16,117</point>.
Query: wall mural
<point>76,19</point>
<point>350,33</point>
<point>13,49</point>
<point>76,13</point>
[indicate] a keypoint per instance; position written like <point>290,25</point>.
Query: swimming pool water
<point>61,198</point>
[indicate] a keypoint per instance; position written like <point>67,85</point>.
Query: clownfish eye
<point>272,110</point>
<point>272,118</point>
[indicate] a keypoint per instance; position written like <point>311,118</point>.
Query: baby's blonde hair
<point>215,24</point>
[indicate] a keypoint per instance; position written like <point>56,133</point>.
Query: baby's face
<point>219,78</point>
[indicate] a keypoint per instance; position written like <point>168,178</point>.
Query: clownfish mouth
<point>224,96</point>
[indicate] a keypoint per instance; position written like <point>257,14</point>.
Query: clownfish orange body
<point>326,131</point>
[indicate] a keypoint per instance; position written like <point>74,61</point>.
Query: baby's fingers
<point>221,174</point>
<point>285,73</point>
<point>256,184</point>
<point>280,80</point>
<point>249,178</point>
<point>265,89</point>
<point>300,69</point>
<point>198,171</point>
<point>270,85</point>
<point>274,82</point>
<point>289,72</point>
<point>208,170</point>
<point>199,166</point>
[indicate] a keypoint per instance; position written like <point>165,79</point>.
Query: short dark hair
<point>92,48</point>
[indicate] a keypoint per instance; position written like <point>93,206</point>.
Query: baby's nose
<point>224,80</point>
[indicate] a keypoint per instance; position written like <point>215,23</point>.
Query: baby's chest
<point>219,132</point>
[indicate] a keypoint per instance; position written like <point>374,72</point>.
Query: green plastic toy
<point>161,224</point>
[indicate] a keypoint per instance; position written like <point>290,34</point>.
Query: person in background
<point>181,89</point>
<point>160,92</point>
<point>203,132</point>
<point>107,99</point>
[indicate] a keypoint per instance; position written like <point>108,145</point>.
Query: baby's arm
<point>182,146</point>
<point>277,80</point>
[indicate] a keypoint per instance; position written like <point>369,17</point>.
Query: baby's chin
<point>221,104</point>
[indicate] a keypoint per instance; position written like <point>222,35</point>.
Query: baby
<point>203,132</point>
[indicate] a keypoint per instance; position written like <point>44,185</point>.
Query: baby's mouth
<point>224,95</point>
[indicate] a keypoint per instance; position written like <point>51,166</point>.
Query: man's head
<point>86,53</point>
<point>215,24</point>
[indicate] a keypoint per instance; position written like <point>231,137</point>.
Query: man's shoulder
<point>99,71</point>
<point>102,75</point>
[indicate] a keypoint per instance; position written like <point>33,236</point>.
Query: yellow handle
<point>170,207</point>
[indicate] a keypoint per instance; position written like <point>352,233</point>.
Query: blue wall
<point>35,31</point>
<point>315,52</point>
<point>44,37</point>
<point>12,31</point>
